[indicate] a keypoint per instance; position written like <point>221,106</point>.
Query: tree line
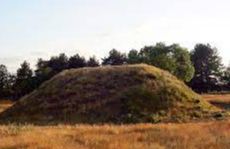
<point>201,68</point>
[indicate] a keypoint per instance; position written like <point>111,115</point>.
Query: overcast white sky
<point>30,29</point>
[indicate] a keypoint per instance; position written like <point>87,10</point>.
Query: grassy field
<point>210,135</point>
<point>202,135</point>
<point>222,101</point>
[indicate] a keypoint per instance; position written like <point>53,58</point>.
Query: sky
<point>32,29</point>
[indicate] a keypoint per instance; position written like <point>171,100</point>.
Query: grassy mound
<point>119,94</point>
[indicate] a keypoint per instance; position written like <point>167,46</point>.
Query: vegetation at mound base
<point>118,94</point>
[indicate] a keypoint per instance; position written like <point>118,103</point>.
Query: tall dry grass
<point>221,100</point>
<point>217,97</point>
<point>209,135</point>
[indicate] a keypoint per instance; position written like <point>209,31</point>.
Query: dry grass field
<point>202,135</point>
<point>222,101</point>
<point>217,97</point>
<point>209,135</point>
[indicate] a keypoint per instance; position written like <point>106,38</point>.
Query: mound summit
<point>114,94</point>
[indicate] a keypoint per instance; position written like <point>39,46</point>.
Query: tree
<point>77,61</point>
<point>10,90</point>
<point>208,66</point>
<point>226,78</point>
<point>58,63</point>
<point>159,56</point>
<point>24,83</point>
<point>173,58</point>
<point>43,71</point>
<point>24,72</point>
<point>3,80</point>
<point>184,69</point>
<point>93,62</point>
<point>115,58</point>
<point>133,57</point>
<point>46,69</point>
<point>226,74</point>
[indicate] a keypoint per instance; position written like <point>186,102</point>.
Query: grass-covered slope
<point>119,94</point>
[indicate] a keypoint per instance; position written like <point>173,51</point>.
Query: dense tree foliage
<point>133,57</point>
<point>77,61</point>
<point>24,81</point>
<point>184,68</point>
<point>93,62</point>
<point>159,56</point>
<point>173,58</point>
<point>226,75</point>
<point>58,63</point>
<point>3,80</point>
<point>43,71</point>
<point>115,58</point>
<point>48,68</point>
<point>208,67</point>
